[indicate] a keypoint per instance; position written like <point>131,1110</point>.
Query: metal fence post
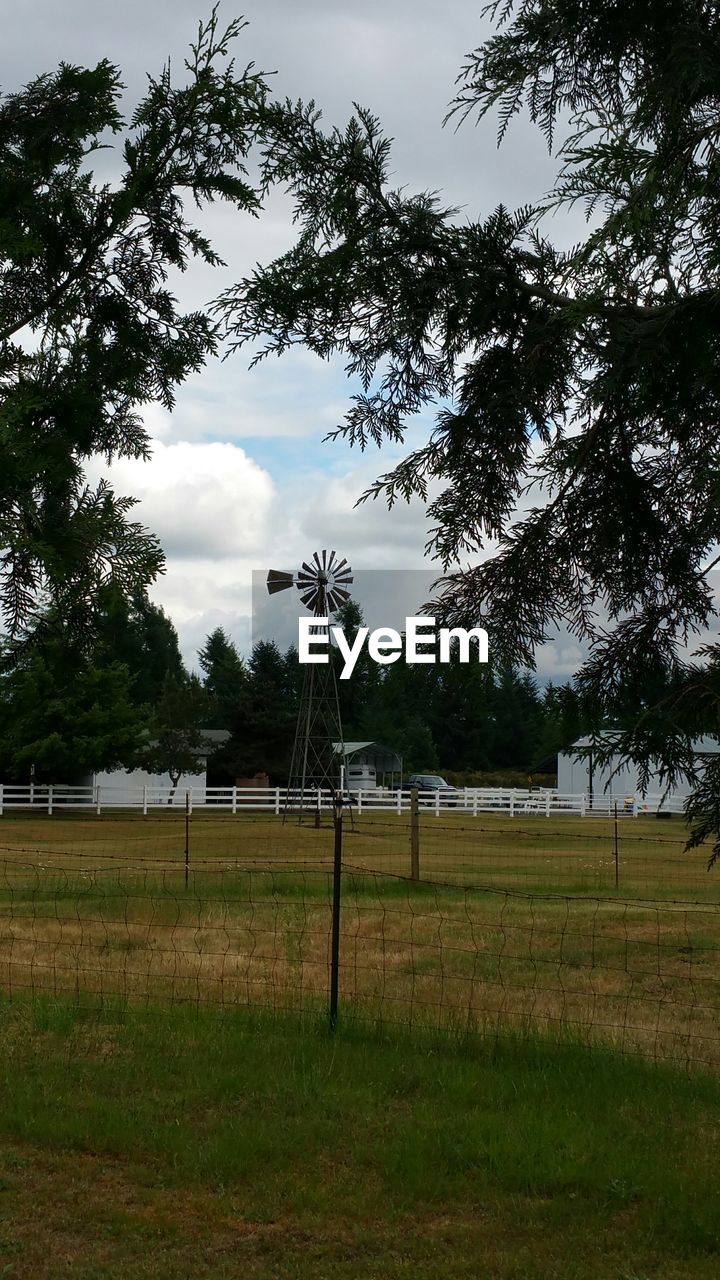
<point>617,850</point>
<point>187,838</point>
<point>335,937</point>
<point>414,834</point>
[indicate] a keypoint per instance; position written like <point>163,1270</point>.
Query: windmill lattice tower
<point>316,760</point>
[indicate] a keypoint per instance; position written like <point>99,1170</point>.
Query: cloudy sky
<point>240,478</point>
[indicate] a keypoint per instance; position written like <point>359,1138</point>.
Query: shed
<point>370,759</point>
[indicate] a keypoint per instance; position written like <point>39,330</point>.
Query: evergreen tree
<point>89,329</point>
<point>263,726</point>
<point>225,679</point>
<point>590,372</point>
<point>63,715</point>
<point>139,634</point>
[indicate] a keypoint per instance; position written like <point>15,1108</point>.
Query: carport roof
<point>376,753</point>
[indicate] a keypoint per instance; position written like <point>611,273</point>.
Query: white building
<point>122,786</point>
<point>580,773</point>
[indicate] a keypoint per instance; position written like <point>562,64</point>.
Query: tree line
<point>68,710</point>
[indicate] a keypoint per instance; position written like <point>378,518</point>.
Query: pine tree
<point>89,328</point>
<point>589,375</point>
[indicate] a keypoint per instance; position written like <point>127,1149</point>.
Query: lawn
<point>179,1143</point>
<point>174,1105</point>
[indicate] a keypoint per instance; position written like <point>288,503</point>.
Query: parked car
<point>425,782</point>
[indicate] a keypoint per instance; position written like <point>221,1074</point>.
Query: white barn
<point>120,786</point>
<point>580,774</point>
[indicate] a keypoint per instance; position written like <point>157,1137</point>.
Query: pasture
<point>515,925</point>
<point>166,1062</point>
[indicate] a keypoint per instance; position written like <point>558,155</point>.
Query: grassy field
<point>500,937</point>
<point>556,854</point>
<point>178,1144</point>
<point>166,1112</point>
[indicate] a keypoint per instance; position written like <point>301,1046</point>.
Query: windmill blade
<point>336,597</point>
<point>310,596</point>
<point>277,580</point>
<point>342,577</point>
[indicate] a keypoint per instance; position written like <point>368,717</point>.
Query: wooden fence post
<point>414,835</point>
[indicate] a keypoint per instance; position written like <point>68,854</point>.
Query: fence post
<point>145,800</point>
<point>437,804</point>
<point>359,800</point>
<point>512,804</point>
<point>50,798</point>
<point>97,798</point>
<point>1,799</point>
<point>617,850</point>
<point>335,938</point>
<point>582,805</point>
<point>234,800</point>
<point>475,803</point>
<point>277,800</point>
<point>187,838</point>
<point>399,798</point>
<point>414,834</point>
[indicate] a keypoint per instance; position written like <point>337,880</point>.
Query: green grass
<point>562,854</point>
<point>631,973</point>
<point>181,1144</point>
<point>150,1127</point>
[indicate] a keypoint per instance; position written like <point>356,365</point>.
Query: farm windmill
<point>316,762</point>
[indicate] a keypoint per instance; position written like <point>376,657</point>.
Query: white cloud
<point>203,500</point>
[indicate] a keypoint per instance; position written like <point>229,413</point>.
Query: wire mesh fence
<point>488,935</point>
<point>598,855</point>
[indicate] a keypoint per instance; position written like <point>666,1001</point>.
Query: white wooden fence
<point>467,800</point>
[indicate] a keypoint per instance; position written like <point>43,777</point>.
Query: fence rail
<point>466,800</point>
